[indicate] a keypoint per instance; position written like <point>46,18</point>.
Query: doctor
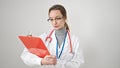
<point>64,48</point>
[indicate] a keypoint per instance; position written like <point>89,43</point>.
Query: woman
<point>64,48</point>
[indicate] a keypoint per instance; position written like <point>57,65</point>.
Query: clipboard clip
<point>29,34</point>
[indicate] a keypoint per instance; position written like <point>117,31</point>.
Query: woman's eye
<point>51,19</point>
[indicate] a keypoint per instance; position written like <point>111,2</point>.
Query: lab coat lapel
<point>66,47</point>
<point>53,44</point>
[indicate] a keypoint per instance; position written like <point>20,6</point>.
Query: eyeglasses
<point>56,19</point>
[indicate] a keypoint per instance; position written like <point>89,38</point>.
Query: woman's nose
<point>54,22</point>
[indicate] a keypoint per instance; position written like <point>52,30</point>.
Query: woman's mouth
<point>55,26</point>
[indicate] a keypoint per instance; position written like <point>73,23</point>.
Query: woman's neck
<point>61,31</point>
<point>60,35</point>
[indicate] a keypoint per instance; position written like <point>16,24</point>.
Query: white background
<point>95,22</point>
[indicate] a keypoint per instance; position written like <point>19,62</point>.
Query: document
<point>35,45</point>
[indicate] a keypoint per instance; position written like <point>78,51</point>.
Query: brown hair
<point>62,10</point>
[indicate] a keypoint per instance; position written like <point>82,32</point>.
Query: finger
<point>52,63</point>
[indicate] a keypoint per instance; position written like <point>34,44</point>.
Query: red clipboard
<point>35,45</point>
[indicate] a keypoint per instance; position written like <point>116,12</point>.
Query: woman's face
<point>56,19</point>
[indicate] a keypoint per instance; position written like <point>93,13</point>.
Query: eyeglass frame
<point>56,19</point>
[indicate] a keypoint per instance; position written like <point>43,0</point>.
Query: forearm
<point>30,59</point>
<point>72,65</point>
<point>68,64</point>
<point>75,62</point>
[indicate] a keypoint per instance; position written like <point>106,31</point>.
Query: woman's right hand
<point>49,60</point>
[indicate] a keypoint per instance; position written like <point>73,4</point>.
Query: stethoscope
<point>50,39</point>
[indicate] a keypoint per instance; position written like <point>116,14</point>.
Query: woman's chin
<point>56,28</point>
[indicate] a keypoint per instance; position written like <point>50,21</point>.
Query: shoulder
<point>74,37</point>
<point>74,40</point>
<point>44,35</point>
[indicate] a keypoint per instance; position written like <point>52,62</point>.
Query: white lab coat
<point>67,59</point>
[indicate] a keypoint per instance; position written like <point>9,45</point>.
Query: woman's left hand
<point>49,60</point>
